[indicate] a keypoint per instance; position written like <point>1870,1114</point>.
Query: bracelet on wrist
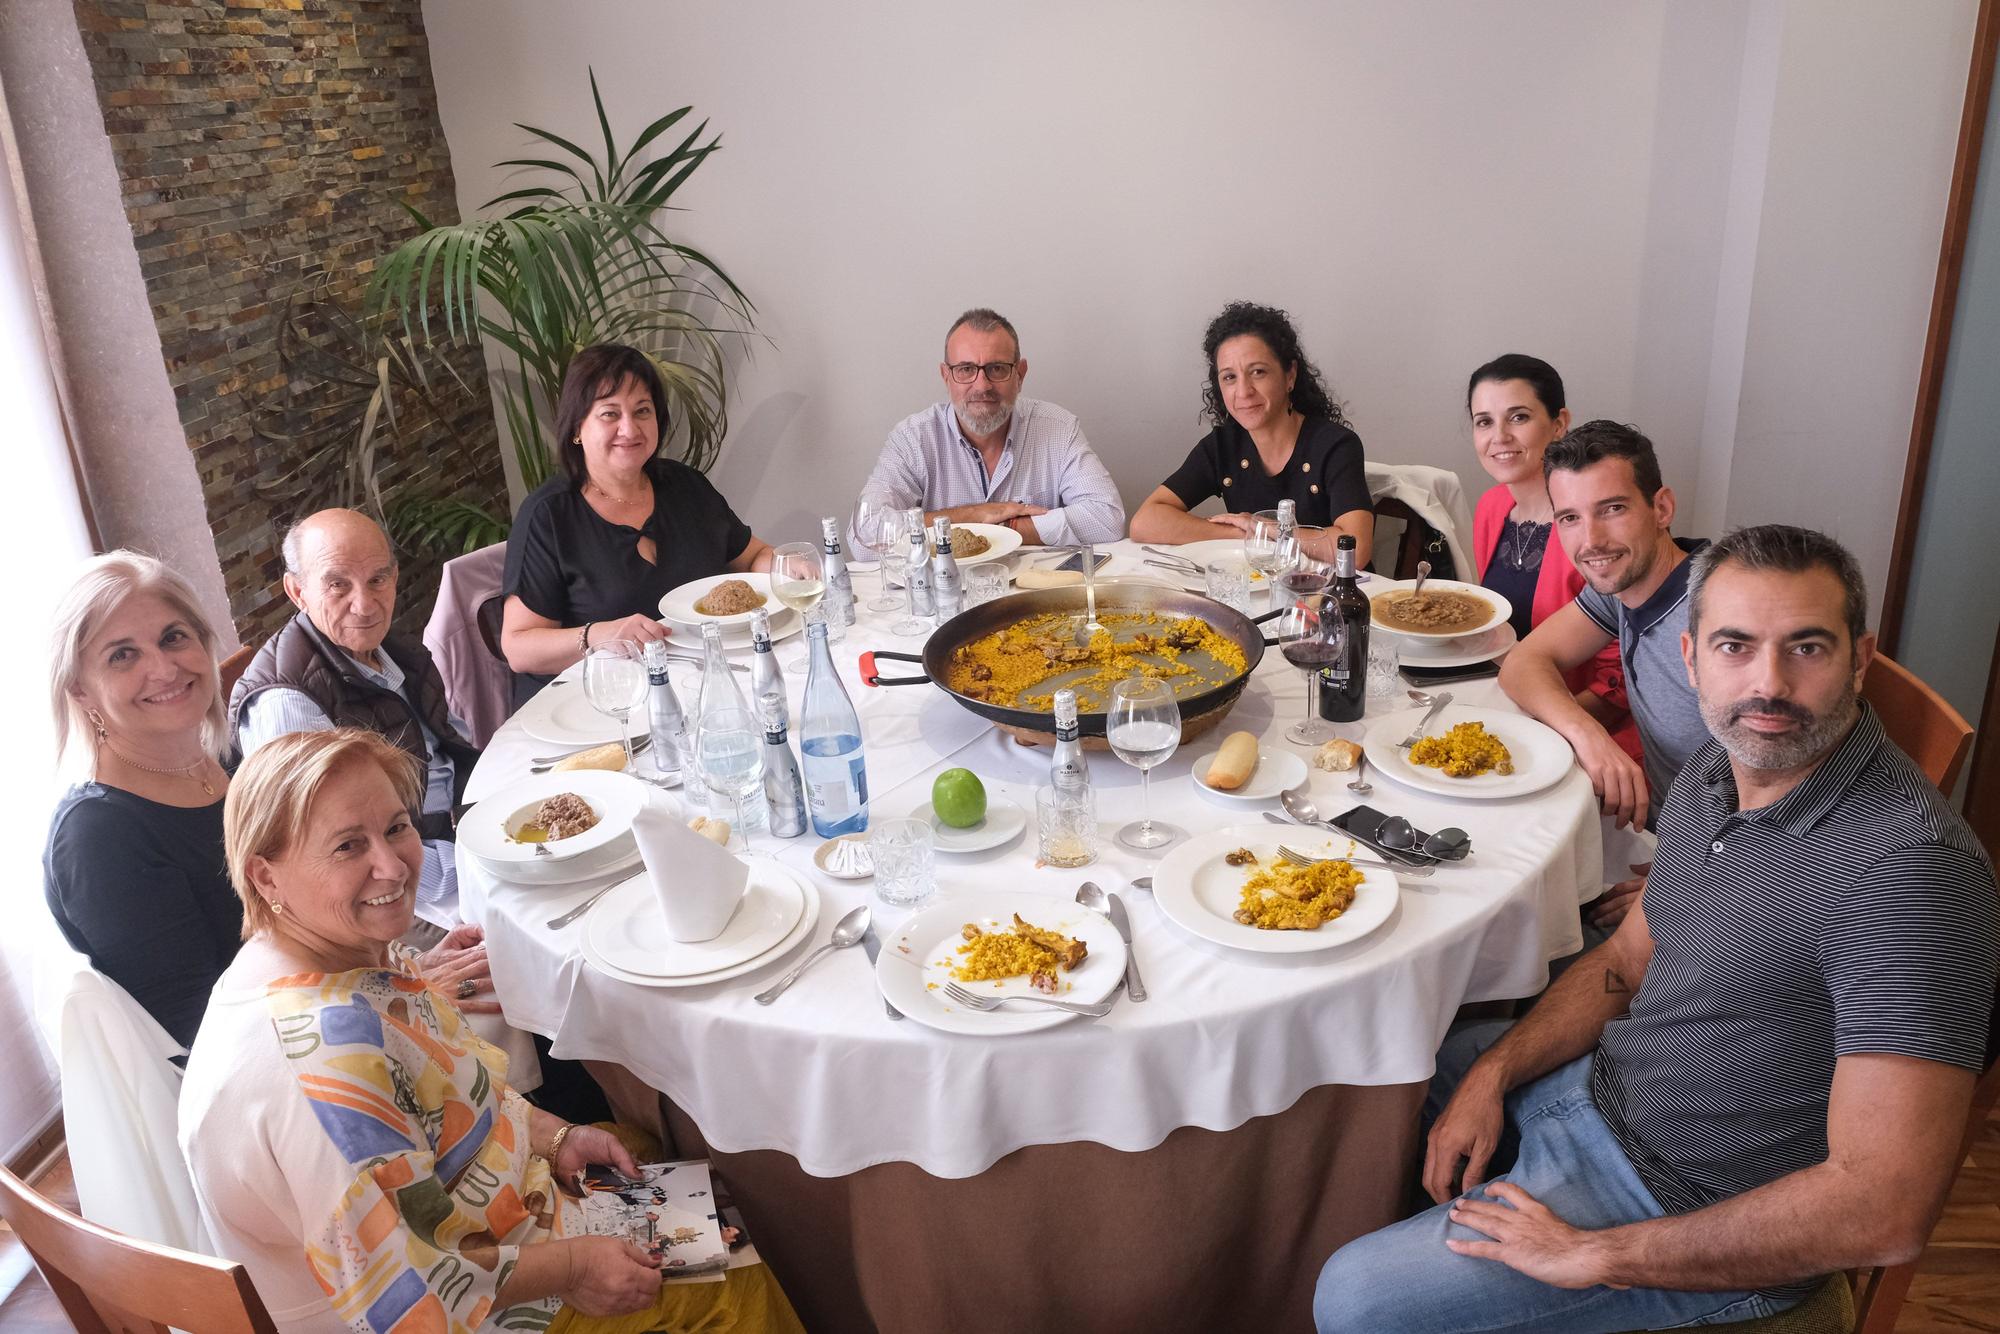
<point>583,638</point>
<point>555,1144</point>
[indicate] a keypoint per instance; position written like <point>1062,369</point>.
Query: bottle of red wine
<point>1343,683</point>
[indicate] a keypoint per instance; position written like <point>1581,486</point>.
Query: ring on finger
<point>467,989</point>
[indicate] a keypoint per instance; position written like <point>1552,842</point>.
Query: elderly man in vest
<point>337,664</point>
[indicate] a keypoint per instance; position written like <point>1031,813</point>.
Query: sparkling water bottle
<point>784,790</point>
<point>917,571</point>
<point>947,592</point>
<point>836,776</point>
<point>839,599</point>
<point>672,746</point>
<point>1068,771</point>
<point>765,678</point>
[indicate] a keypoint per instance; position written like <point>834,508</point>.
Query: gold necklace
<point>186,771</point>
<point>614,497</point>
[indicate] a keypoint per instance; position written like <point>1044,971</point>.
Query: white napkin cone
<point>698,883</point>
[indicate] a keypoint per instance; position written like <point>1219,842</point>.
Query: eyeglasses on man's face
<point>997,372</point>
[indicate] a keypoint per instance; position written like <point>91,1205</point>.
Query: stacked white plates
<point>625,935</point>
<point>1461,648</point>
<point>1199,891</point>
<point>917,961</point>
<point>561,714</point>
<point>1540,756</point>
<point>1000,541</point>
<point>488,831</point>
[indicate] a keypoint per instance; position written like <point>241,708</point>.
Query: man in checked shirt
<point>987,455</point>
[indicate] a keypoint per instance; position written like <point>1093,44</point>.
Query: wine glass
<point>1261,548</point>
<point>798,579</point>
<point>879,531</point>
<point>1303,580</point>
<point>730,750</point>
<point>1301,635</point>
<point>615,683</point>
<point>1143,725</point>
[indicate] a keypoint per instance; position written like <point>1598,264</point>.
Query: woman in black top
<point>1278,435</point>
<point>134,870</point>
<point>593,551</point>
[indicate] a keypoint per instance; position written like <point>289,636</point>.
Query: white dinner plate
<point>801,931</point>
<point>1199,891</point>
<point>628,931</point>
<point>487,830</point>
<point>1466,652</point>
<point>1004,822</point>
<point>1502,608</point>
<point>560,714</point>
<point>736,638</point>
<point>1215,551</point>
<point>1541,756</point>
<point>678,605</point>
<point>1277,771</point>
<point>1001,541</point>
<point>916,962</point>
<point>617,859</point>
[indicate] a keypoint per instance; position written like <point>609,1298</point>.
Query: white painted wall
<point>1661,198</point>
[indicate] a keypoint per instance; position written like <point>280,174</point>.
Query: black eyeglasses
<point>997,372</point>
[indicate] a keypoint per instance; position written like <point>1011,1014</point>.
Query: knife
<point>873,944</point>
<point>1134,988</point>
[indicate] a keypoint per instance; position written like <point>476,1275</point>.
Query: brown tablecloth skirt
<point>1211,1231</point>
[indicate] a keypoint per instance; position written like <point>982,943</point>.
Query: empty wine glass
<point>1302,638</point>
<point>615,683</point>
<point>879,533</point>
<point>1261,549</point>
<point>730,750</point>
<point>1143,725</point>
<point>798,579</point>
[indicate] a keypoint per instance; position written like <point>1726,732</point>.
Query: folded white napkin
<point>699,884</point>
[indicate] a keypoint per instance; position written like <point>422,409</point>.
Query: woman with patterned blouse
<point>353,1143</point>
<point>1278,436</point>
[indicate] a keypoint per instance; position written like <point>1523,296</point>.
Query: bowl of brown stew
<point>1446,609</point>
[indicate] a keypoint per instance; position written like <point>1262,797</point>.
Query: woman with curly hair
<point>1278,436</point>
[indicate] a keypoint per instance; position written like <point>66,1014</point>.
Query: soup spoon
<point>848,931</point>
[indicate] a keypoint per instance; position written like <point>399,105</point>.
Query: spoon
<point>1091,896</point>
<point>1300,807</point>
<point>1144,882</point>
<point>1359,787</point>
<point>1423,573</point>
<point>1090,625</point>
<point>1419,697</point>
<point>847,931</point>
<point>1449,844</point>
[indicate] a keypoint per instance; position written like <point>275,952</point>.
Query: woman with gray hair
<point>354,1144</point>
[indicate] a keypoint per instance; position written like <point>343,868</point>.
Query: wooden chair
<point>233,668</point>
<point>1919,720</point>
<point>112,1284</point>
<point>1417,536</point>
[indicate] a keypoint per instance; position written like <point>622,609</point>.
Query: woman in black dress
<point>594,550</point>
<point>1278,435</point>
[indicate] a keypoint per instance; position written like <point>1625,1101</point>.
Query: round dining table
<point>1185,1163</point>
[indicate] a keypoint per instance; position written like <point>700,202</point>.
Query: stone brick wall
<point>262,146</point>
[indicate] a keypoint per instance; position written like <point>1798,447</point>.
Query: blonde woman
<point>353,1143</point>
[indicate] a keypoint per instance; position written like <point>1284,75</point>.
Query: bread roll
<point>610,757</point>
<point>1337,756</point>
<point>715,831</point>
<point>1033,579</point>
<point>1234,763</point>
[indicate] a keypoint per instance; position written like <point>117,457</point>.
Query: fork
<point>1437,706</point>
<point>972,1001</point>
<point>1297,858</point>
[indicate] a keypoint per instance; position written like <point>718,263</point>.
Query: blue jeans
<point>1405,1278</point>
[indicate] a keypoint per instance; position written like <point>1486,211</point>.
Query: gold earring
<point>96,722</point>
<point>277,908</point>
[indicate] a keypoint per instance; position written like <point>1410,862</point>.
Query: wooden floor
<point>1957,1287</point>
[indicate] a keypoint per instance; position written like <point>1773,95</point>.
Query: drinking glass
<point>879,533</point>
<point>1303,580</point>
<point>1143,726</point>
<point>903,852</point>
<point>1066,825</point>
<point>798,579</point>
<point>615,682</point>
<point>983,582</point>
<point>1229,583</point>
<point>1300,632</point>
<point>1260,548</point>
<point>730,750</point>
<point>1383,665</point>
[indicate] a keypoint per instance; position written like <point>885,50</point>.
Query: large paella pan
<point>1147,629</point>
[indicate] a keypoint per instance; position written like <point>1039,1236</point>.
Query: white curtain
<point>42,534</point>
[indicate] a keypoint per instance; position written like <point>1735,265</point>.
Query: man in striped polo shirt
<point>1764,1075</point>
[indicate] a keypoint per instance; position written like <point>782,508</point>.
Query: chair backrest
<point>1417,535</point>
<point>1879,1293</point>
<point>489,617</point>
<point>1919,720</point>
<point>233,668</point>
<point>111,1284</point>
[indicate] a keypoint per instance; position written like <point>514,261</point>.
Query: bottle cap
<point>1346,542</point>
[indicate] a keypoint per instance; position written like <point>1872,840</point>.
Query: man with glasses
<point>990,456</point>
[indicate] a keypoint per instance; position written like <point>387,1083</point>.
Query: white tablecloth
<point>825,1076</point>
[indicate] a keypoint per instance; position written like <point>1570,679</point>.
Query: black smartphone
<point>1074,561</point>
<point>1437,676</point>
<point>1365,824</point>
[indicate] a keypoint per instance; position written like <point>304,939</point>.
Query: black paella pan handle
<point>870,677</point>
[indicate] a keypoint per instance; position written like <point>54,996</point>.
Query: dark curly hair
<point>596,372</point>
<point>1309,395</point>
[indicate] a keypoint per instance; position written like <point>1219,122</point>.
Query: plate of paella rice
<point>1481,754</point>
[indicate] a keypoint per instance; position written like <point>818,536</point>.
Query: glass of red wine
<point>1309,642</point>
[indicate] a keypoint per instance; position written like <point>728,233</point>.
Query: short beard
<point>1638,567</point>
<point>1754,750</point>
<point>986,423</point>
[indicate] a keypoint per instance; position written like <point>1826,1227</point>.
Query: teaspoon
<point>848,931</point>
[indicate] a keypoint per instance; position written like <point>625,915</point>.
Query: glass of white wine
<point>798,579</point>
<point>1143,725</point>
<point>615,682</point>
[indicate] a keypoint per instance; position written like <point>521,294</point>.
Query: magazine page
<point>670,1210</point>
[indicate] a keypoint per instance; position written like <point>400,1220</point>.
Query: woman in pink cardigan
<point>1517,407</point>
